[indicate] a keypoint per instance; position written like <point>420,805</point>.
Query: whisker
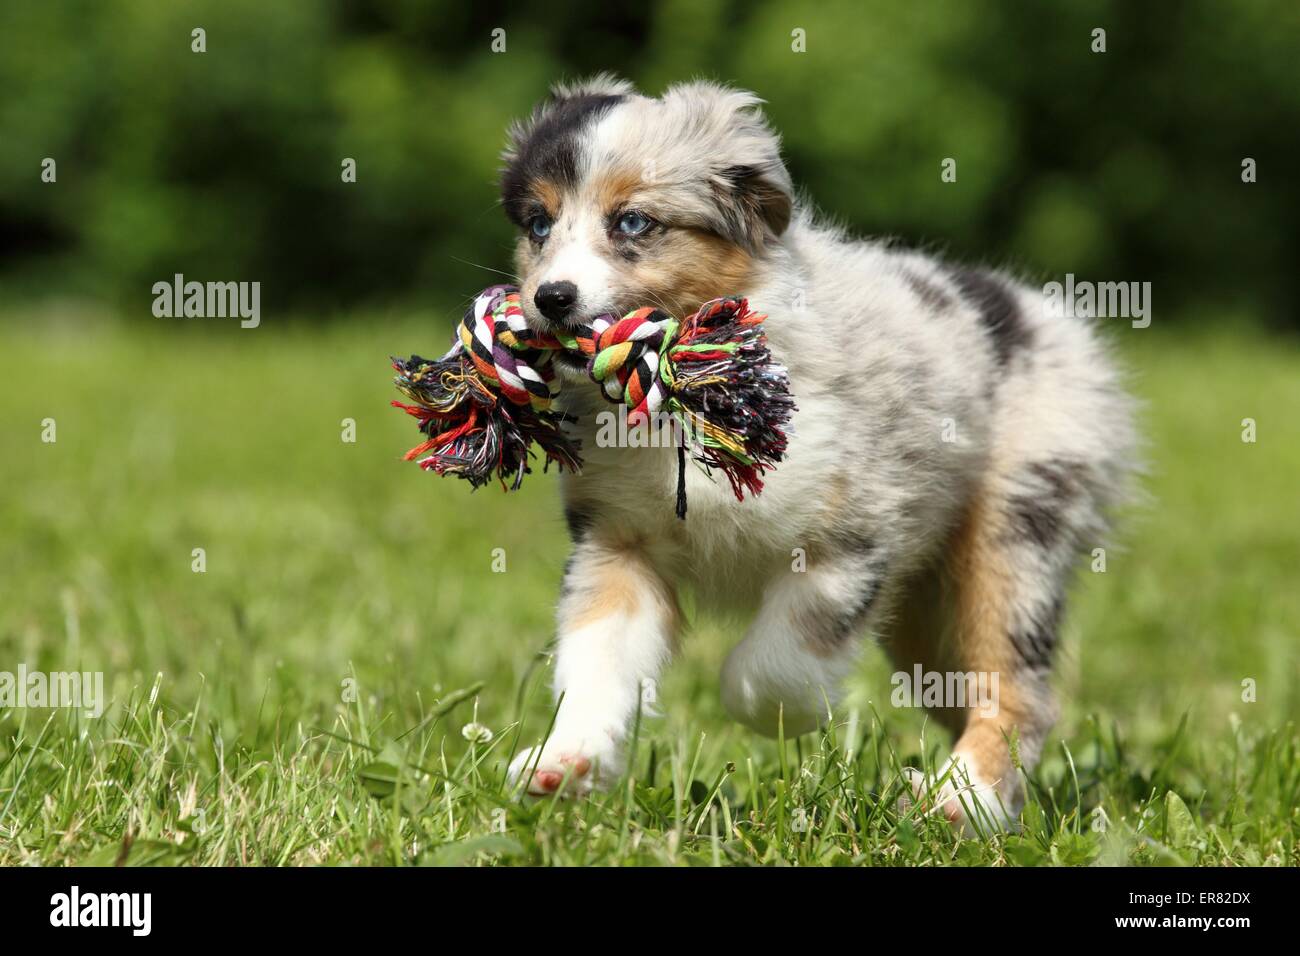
<point>479,265</point>
<point>659,303</point>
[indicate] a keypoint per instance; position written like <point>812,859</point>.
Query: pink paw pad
<point>548,781</point>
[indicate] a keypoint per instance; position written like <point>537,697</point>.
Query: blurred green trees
<point>226,164</point>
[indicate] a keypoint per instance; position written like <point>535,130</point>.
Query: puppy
<point>953,452</point>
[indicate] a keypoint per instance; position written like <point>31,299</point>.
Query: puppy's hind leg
<point>804,640</point>
<point>1007,569</point>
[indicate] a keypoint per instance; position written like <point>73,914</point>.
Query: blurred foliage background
<point>225,165</point>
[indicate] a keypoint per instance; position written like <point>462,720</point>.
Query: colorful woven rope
<point>712,373</point>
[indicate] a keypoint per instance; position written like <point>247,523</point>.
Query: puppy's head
<point>623,201</point>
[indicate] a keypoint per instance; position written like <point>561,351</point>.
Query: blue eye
<point>632,224</point>
<point>540,227</point>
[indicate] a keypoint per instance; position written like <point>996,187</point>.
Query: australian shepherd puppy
<point>954,451</point>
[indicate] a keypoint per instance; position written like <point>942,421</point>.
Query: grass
<point>302,700</point>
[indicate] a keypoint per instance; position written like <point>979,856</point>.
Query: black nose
<point>555,299</point>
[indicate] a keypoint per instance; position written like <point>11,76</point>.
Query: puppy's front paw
<point>574,768</point>
<point>970,803</point>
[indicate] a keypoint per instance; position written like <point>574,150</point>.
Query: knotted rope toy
<point>491,397</point>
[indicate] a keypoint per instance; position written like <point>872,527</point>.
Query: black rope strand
<point>681,479</point>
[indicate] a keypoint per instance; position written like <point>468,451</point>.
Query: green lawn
<point>232,737</point>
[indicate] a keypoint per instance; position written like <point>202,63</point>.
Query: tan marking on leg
<point>614,583</point>
<point>982,576</point>
<point>918,631</point>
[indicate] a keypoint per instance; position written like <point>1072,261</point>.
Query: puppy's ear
<point>750,184</point>
<point>760,202</point>
<point>543,148</point>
